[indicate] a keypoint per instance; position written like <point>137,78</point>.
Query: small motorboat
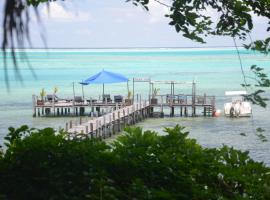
<point>238,107</point>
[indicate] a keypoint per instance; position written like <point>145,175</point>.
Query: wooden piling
<point>91,129</point>
<point>118,121</point>
<point>185,111</point>
<point>66,129</point>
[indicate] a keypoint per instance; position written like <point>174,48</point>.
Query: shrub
<point>40,164</point>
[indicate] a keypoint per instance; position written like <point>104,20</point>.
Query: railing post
<point>124,118</point>
<point>91,129</point>
<point>97,128</point>
<point>119,121</point>
<point>86,129</point>
<point>66,127</point>
<point>110,124</point>
<point>104,126</point>
<point>113,123</point>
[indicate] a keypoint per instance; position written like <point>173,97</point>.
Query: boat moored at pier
<point>238,107</point>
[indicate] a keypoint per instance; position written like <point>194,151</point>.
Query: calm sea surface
<point>215,71</point>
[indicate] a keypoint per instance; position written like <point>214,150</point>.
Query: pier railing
<point>181,99</point>
<point>112,118</point>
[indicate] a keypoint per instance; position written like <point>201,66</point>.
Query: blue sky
<point>113,23</point>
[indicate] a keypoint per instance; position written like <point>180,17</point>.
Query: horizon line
<point>183,47</point>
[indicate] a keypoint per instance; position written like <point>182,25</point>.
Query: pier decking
<point>113,122</point>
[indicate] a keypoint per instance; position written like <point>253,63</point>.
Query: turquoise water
<point>215,71</point>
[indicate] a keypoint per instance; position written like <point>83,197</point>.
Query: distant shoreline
<point>89,48</point>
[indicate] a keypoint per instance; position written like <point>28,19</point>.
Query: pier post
<point>104,127</point>
<point>128,116</point>
<point>194,111</point>
<point>162,109</point>
<point>113,123</point>
<point>98,111</point>
<point>91,130</point>
<point>34,105</point>
<point>136,113</point>
<point>110,126</point>
<point>185,112</point>
<point>139,115</point>
<point>172,111</point>
<point>151,111</point>
<point>86,129</point>
<point>193,98</point>
<point>81,110</point>
<point>53,101</point>
<point>97,127</point>
<point>66,127</point>
<point>213,106</point>
<point>124,118</point>
<point>119,121</point>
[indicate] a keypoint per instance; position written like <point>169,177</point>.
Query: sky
<point>112,24</point>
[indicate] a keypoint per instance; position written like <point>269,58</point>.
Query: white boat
<point>238,107</point>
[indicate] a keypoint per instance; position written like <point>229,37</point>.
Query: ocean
<point>215,70</point>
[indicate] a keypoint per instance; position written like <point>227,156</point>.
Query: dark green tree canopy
<point>40,164</point>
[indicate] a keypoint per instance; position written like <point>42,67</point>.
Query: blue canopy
<point>105,77</point>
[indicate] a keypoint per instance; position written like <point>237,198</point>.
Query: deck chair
<point>107,98</point>
<point>50,98</point>
<point>78,99</point>
<point>200,100</point>
<point>118,99</point>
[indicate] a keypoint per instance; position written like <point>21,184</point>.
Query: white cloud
<point>59,13</point>
<point>157,11</point>
<point>131,13</point>
<point>120,15</point>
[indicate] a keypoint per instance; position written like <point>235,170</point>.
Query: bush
<point>40,164</point>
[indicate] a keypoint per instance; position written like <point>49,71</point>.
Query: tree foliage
<point>40,164</point>
<point>235,17</point>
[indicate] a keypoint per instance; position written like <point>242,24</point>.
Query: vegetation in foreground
<point>40,164</point>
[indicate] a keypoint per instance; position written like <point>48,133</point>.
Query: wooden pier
<point>110,117</point>
<point>113,122</point>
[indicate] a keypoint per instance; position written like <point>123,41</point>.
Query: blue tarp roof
<point>105,77</point>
